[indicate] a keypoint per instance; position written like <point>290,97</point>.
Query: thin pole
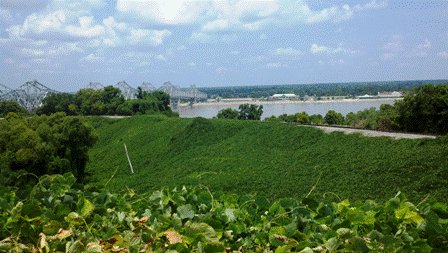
<point>129,160</point>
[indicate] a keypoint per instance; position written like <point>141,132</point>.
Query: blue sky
<point>66,44</point>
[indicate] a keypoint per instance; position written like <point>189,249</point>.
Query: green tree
<point>58,102</point>
<point>228,113</point>
<point>250,112</point>
<point>317,119</point>
<point>163,100</point>
<point>334,118</point>
<point>302,118</point>
<point>388,118</point>
<point>425,109</point>
<point>11,106</point>
<point>43,145</point>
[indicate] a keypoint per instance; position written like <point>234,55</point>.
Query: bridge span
<point>31,94</point>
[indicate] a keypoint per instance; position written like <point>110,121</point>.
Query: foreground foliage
<point>60,216</point>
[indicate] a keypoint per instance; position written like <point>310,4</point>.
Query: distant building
<point>366,96</point>
<point>394,94</point>
<point>283,96</point>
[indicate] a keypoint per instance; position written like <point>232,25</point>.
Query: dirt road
<point>372,133</point>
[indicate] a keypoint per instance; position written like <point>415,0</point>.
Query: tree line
<point>423,110</point>
<point>317,90</point>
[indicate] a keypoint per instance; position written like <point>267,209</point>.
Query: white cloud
<point>421,50</point>
<point>160,57</point>
<point>86,28</point>
<point>321,49</point>
<point>51,51</point>
<point>241,15</point>
<point>289,51</point>
<point>226,15</point>
<point>425,44</point>
<point>216,25</point>
<point>300,11</point>
<point>388,56</point>
<point>171,12</point>
<point>5,16</point>
<point>91,58</point>
<point>152,37</point>
<point>394,44</point>
<point>39,24</point>
<point>204,37</point>
<point>372,5</point>
<point>221,70</point>
<point>443,55</point>
<point>276,65</point>
<point>23,4</point>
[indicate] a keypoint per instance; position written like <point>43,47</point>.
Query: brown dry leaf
<point>62,234</point>
<point>173,237</point>
<point>43,245</point>
<point>144,219</point>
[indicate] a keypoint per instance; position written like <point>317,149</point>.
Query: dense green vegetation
<point>11,106</point>
<point>250,186</point>
<point>59,216</point>
<point>269,159</point>
<point>108,101</point>
<point>318,90</point>
<point>38,145</point>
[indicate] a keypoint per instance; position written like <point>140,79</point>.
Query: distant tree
<point>228,113</point>
<point>425,109</point>
<point>140,93</point>
<point>317,119</point>
<point>334,118</point>
<point>250,112</point>
<point>58,102</point>
<point>388,118</point>
<point>287,118</point>
<point>273,119</point>
<point>164,100</point>
<point>90,102</point>
<point>11,106</point>
<point>302,118</point>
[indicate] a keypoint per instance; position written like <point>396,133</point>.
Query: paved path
<point>372,133</point>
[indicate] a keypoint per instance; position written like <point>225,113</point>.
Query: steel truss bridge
<point>31,94</point>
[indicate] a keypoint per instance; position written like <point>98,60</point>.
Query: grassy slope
<point>271,159</point>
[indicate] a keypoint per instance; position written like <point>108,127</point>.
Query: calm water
<point>344,107</point>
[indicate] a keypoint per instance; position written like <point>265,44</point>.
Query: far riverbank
<point>264,102</point>
<point>279,107</point>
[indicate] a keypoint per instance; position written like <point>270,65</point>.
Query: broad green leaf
<point>185,211</point>
<point>85,207</point>
<point>332,244</point>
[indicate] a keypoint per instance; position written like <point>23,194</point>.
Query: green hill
<point>269,159</point>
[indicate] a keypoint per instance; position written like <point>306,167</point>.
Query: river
<point>209,110</point>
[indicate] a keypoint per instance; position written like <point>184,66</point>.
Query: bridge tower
<point>127,91</point>
<point>95,86</point>
<point>147,87</point>
<point>4,90</point>
<point>30,94</point>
